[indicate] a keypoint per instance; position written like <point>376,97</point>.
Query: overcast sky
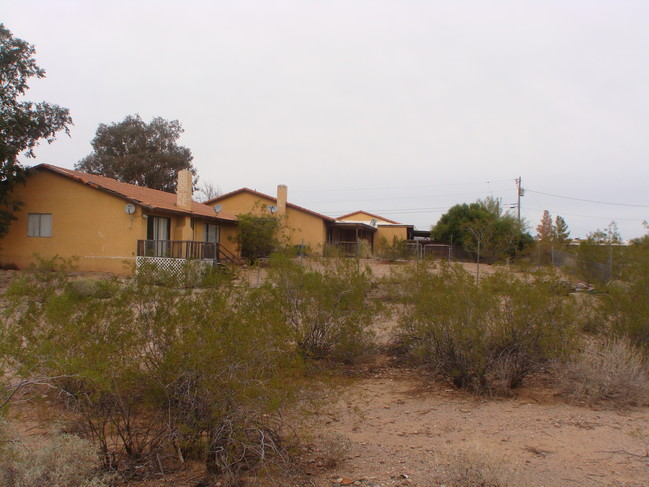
<point>401,107</point>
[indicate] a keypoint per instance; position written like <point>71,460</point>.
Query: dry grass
<point>66,460</point>
<point>476,467</point>
<point>612,371</point>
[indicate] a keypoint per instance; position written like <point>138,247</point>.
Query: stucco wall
<point>360,216</point>
<point>86,223</point>
<point>299,225</point>
<point>386,234</point>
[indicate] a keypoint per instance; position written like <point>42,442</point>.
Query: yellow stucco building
<point>107,225</point>
<point>386,230</point>
<point>314,230</point>
<point>300,225</point>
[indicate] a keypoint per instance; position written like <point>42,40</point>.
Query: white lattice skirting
<point>175,267</point>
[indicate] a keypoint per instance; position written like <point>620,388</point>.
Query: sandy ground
<point>400,430</point>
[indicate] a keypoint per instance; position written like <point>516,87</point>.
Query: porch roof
<point>150,199</point>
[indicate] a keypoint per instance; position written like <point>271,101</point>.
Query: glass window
<point>39,224</point>
<point>212,233</point>
<point>158,228</point>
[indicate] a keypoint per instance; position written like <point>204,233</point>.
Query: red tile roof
<point>151,199</point>
<point>272,198</point>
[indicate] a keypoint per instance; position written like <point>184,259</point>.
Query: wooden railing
<point>186,249</point>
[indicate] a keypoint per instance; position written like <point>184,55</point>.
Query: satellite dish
<point>218,208</point>
<point>373,222</point>
<point>130,209</point>
<point>272,208</point>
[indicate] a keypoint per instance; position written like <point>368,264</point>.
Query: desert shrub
<point>625,305</point>
<point>484,337</point>
<point>66,460</point>
<point>364,249</point>
<point>160,373</point>
<point>612,370</point>
<point>475,467</point>
<point>327,307</point>
<point>398,249</point>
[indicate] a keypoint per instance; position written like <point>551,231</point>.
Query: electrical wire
<point>587,201</point>
<point>587,216</point>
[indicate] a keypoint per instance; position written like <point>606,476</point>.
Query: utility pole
<point>521,192</point>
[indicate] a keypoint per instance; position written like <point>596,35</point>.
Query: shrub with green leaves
<point>326,307</point>
<point>483,337</point>
<point>257,234</point>
<point>625,304</point>
<point>157,372</point>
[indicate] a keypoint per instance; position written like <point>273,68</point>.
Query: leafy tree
<point>257,235</point>
<point>499,233</point>
<point>22,123</point>
<point>561,232</point>
<point>140,153</point>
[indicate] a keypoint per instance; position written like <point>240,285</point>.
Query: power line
<point>393,188</point>
<point>588,216</point>
<point>587,201</point>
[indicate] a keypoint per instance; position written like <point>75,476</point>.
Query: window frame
<point>39,225</point>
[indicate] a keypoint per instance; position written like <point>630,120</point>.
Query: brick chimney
<point>184,190</point>
<point>282,192</point>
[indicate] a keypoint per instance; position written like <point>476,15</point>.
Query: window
<point>212,233</point>
<point>39,224</point>
<point>158,228</point>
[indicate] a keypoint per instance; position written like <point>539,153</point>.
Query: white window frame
<point>39,224</point>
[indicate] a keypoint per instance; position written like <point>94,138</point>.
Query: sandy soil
<point>399,430</point>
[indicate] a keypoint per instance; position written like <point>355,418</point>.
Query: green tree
<point>22,123</point>
<point>140,153</point>
<point>499,233</point>
<point>257,235</point>
<point>561,232</point>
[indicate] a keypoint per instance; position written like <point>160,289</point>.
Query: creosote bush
<point>483,337</point>
<point>611,370</point>
<point>626,302</point>
<point>160,374</point>
<point>326,307</point>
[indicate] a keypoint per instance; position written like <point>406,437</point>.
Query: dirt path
<point>400,433</point>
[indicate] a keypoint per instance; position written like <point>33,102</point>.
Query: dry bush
<point>613,371</point>
<point>332,449</point>
<point>67,460</point>
<point>475,467</point>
